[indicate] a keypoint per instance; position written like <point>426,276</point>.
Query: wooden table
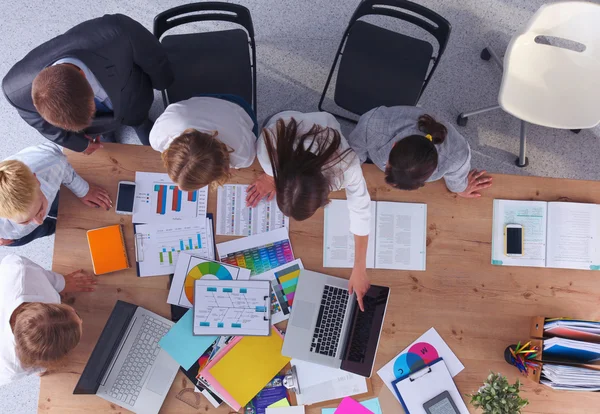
<point>477,308</point>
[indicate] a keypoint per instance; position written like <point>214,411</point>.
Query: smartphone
<point>125,197</point>
<point>513,240</point>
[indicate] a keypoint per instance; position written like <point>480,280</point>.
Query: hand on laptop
<point>79,281</point>
<point>263,187</point>
<point>359,283</point>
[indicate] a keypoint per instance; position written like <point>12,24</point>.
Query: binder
<point>107,249</point>
<point>417,388</point>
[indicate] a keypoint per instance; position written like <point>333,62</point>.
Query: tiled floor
<point>296,42</point>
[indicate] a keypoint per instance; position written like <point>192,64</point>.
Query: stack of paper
<point>564,377</point>
<point>572,350</point>
<point>574,329</point>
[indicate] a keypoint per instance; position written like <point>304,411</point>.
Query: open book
<point>396,241</point>
<point>555,234</point>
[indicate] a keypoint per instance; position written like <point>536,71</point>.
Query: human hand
<point>477,182</point>
<point>93,145</point>
<point>6,242</point>
<point>79,281</point>
<point>264,186</point>
<point>97,197</point>
<point>359,283</point>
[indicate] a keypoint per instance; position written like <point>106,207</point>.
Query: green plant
<point>497,396</point>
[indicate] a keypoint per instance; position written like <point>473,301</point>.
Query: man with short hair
<point>29,184</point>
<point>88,82</point>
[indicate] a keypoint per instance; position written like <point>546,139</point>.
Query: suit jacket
<point>127,60</point>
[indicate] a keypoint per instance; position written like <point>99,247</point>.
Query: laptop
<point>127,367</point>
<point>326,325</point>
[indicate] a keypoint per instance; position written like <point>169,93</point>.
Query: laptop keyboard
<point>329,322</point>
<point>362,330</point>
<point>138,363</point>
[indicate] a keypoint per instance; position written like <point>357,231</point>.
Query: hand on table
<point>263,187</point>
<point>359,283</point>
<point>97,197</point>
<point>79,281</point>
<point>93,145</point>
<point>477,182</point>
<point>5,242</point>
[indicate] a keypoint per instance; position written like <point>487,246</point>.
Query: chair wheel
<point>485,54</point>
<point>576,131</point>
<point>462,121</point>
<point>524,165</point>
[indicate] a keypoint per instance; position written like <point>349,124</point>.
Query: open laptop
<point>127,367</point>
<point>326,326</point>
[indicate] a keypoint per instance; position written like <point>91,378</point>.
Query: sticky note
<point>281,403</point>
<point>182,345</point>
<point>350,407</point>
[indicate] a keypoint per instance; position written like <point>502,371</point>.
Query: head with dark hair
<point>414,158</point>
<point>299,165</point>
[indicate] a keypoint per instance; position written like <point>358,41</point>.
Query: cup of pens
<point>522,356</point>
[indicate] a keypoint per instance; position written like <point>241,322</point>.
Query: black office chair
<point>216,62</point>
<point>381,67</point>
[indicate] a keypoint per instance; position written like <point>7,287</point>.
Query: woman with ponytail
<point>412,148</point>
<point>304,158</point>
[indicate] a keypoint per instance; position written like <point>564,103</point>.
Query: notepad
<point>397,239</point>
<point>232,307</point>
<point>107,248</point>
<point>557,234</point>
<point>245,366</point>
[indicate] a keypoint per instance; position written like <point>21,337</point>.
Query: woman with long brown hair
<point>304,158</point>
<point>37,332</point>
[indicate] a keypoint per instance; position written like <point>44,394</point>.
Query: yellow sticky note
<point>281,403</point>
<point>250,365</point>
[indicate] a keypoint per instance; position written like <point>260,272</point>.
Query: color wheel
<point>212,270</point>
<point>419,355</point>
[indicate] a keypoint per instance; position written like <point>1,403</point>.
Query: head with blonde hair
<point>45,333</point>
<point>195,159</point>
<point>21,199</point>
<point>63,97</point>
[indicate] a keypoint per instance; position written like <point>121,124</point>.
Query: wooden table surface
<point>477,308</point>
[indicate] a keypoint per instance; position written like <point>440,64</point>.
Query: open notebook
<point>397,238</point>
<point>556,234</point>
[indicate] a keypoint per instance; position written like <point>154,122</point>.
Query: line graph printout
<point>232,307</point>
<point>159,200</point>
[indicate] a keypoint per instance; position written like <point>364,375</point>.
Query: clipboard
<point>417,388</point>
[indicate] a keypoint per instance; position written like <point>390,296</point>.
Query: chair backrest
<point>209,11</point>
<point>552,67</point>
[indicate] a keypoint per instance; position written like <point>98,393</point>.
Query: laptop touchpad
<point>157,381</point>
<point>302,314</point>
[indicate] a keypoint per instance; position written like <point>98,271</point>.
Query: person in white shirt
<point>36,331</point>
<point>29,184</point>
<point>304,158</point>
<point>203,137</point>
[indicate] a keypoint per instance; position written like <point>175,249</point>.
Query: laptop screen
<point>105,348</point>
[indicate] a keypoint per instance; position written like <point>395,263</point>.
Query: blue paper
<point>182,345</point>
<point>371,405</point>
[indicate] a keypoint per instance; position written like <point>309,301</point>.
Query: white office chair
<point>551,71</point>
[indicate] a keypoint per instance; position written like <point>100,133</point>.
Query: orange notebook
<point>107,247</point>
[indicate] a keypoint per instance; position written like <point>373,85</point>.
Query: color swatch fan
<point>190,268</point>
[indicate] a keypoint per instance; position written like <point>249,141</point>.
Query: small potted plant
<point>497,396</point>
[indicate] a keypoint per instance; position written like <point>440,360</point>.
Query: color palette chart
<point>263,258</point>
<point>199,271</point>
<point>284,287</point>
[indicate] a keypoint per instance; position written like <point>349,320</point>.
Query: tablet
<point>441,404</point>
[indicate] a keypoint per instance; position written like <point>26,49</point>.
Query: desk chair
<point>551,71</point>
<point>381,67</point>
<point>216,62</point>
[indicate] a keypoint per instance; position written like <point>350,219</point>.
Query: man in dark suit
<point>88,82</point>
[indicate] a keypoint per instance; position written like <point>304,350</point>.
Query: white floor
<point>296,42</point>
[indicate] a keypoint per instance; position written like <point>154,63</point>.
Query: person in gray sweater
<point>412,148</point>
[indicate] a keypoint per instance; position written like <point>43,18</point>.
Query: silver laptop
<point>326,326</point>
<point>127,367</point>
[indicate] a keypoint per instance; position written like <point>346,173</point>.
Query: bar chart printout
<point>158,200</point>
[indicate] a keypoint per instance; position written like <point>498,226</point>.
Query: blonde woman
<point>203,137</point>
<point>37,332</point>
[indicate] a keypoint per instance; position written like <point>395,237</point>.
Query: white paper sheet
<point>235,219</point>
<point>283,288</point>
<point>400,238</point>
<point>532,215</point>
<point>338,242</point>
<point>190,268</point>
<point>319,383</point>
<point>573,236</point>
<point>297,409</point>
<point>427,348</point>
<point>154,202</point>
<point>158,245</point>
